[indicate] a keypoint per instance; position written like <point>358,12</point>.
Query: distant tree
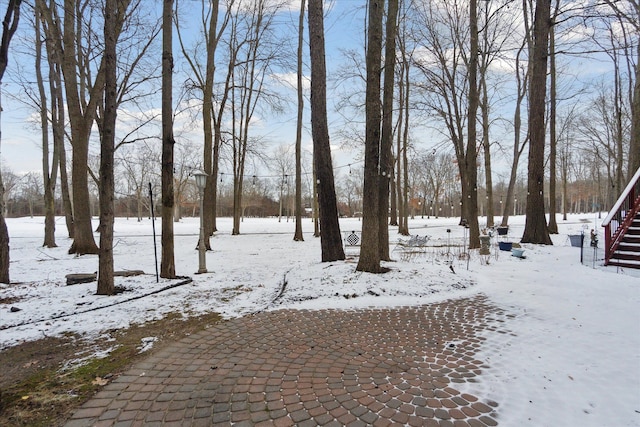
<point>404,110</point>
<point>536,230</point>
<point>330,238</point>
<point>213,105</point>
<point>137,171</point>
<point>519,143</point>
<point>628,13</point>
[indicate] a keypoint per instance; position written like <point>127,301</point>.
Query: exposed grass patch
<point>38,392</point>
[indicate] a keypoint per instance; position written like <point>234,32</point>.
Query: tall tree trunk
<point>386,140</point>
<point>49,177</point>
<point>297,236</point>
<point>9,27</point>
<point>316,208</point>
<point>393,195</point>
<point>167,263</point>
<point>64,178</point>
<point>553,143</point>
<point>330,238</point>
<point>518,148</point>
<point>81,121</point>
<point>470,199</point>
<point>58,120</point>
<point>107,146</point>
<point>486,146</point>
<point>209,200</point>
<point>399,159</point>
<point>370,249</point>
<point>535,230</point>
<point>406,107</point>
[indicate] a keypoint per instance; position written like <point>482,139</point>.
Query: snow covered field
<point>573,358</point>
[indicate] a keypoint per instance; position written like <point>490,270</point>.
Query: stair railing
<point>621,216</point>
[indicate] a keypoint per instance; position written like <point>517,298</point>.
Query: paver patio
<point>379,367</point>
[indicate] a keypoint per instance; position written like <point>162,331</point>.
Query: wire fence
<point>592,256</point>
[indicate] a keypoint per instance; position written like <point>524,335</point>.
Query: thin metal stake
<point>153,225</point>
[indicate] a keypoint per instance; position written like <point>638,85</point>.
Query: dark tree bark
<point>470,190</point>
<point>81,120</point>
<point>107,146</point>
<point>370,248</point>
<point>386,141</point>
<point>57,109</point>
<point>553,143</point>
<point>403,143</point>
<point>297,236</point>
<point>48,176</point>
<point>209,200</point>
<point>167,263</point>
<point>330,238</point>
<point>9,27</point>
<point>535,230</point>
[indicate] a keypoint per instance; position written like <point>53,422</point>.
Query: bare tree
<point>253,50</point>
<point>138,170</point>
<point>297,236</point>
<point>522,73</point>
<point>9,27</point>
<point>370,249</point>
<point>402,136</point>
<point>386,137</point>
<point>535,230</point>
<point>470,176</point>
<point>330,239</point>
<point>553,225</point>
<point>628,13</point>
<point>167,263</point>
<point>49,176</point>
<point>446,89</point>
<point>204,79</point>
<point>112,9</point>
<point>82,111</point>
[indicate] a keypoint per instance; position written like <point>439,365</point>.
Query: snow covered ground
<point>573,358</point>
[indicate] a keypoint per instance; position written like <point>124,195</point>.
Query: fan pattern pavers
<point>377,367</point>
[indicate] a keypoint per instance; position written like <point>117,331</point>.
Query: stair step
<point>626,247</point>
<point>630,238</point>
<point>623,264</point>
<point>633,230</point>
<point>627,256</point>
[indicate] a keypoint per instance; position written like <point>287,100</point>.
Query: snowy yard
<point>573,357</point>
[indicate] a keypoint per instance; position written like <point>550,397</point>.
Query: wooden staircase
<point>627,254</point>
<point>622,228</point>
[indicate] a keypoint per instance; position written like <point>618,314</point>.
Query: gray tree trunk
<point>386,139</point>
<point>167,263</point>
<point>107,147</point>
<point>297,236</point>
<point>330,238</point>
<point>11,19</point>
<point>535,230</point>
<point>370,248</point>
